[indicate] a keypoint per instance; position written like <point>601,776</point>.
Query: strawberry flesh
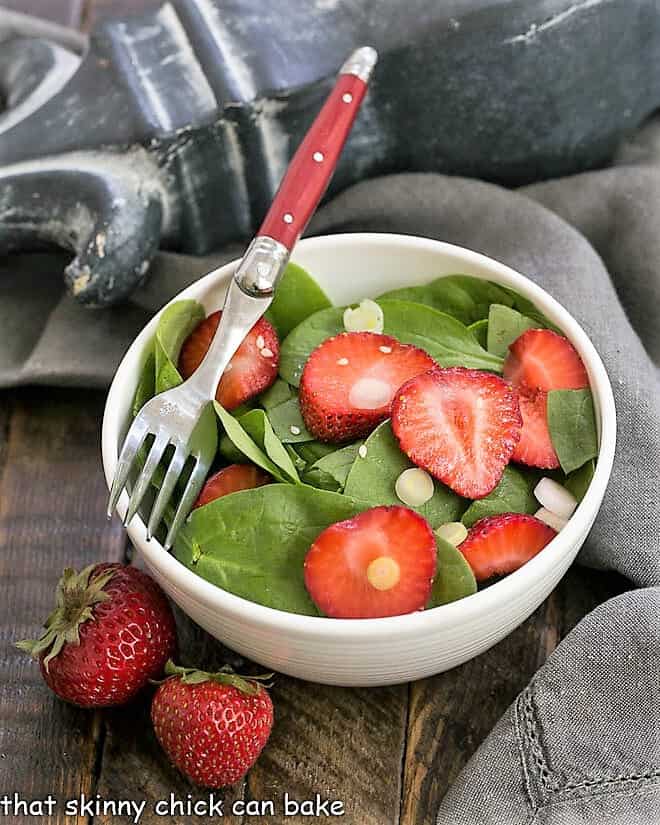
<point>461,425</point>
<point>541,359</point>
<point>252,369</point>
<point>230,480</point>
<point>497,545</point>
<point>349,381</point>
<point>535,447</point>
<point>379,563</point>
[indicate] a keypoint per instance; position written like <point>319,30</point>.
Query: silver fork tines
<point>184,418</point>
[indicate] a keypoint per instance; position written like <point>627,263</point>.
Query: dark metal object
<point>218,93</point>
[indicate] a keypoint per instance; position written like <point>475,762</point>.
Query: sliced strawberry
<point>497,545</point>
<point>348,383</point>
<point>535,446</point>
<point>541,359</point>
<point>252,369</point>
<point>379,563</point>
<point>461,425</point>
<point>230,480</point>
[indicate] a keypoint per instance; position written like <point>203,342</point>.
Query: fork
<point>183,417</point>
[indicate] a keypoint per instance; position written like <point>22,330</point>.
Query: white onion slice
<point>455,532</point>
<point>366,317</point>
<point>414,487</point>
<point>555,498</point>
<point>551,519</point>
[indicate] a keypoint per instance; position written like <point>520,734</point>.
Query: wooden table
<point>389,754</point>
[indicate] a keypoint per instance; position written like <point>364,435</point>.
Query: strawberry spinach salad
<point>382,458</point>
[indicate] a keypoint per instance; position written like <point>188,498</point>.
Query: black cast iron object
<point>188,113</point>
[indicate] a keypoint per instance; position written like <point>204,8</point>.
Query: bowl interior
<point>350,267</point>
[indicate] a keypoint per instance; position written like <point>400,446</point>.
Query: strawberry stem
<point>75,597</point>
<point>225,676</point>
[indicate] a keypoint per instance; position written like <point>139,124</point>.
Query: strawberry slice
<point>348,383</point>
<point>461,425</point>
<point>379,563</point>
<point>500,544</point>
<point>541,359</point>
<point>252,369</point>
<point>535,446</point>
<point>230,480</point>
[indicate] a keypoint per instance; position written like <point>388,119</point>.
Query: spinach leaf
<point>298,462</point>
<point>443,337</point>
<point>300,342</point>
<point>146,388</point>
<point>175,325</point>
<point>572,425</point>
<point>514,494</point>
<point>504,326</point>
<point>454,578</point>
<point>288,424</point>
<point>297,296</point>
<point>579,480</point>
<point>256,424</point>
<point>253,451</point>
<point>526,307</point>
<point>230,452</point>
<point>480,331</point>
<point>253,543</point>
<point>311,451</point>
<point>331,471</point>
<point>373,477</point>
<point>463,297</point>
<point>275,395</point>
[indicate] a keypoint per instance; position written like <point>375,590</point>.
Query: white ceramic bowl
<point>401,648</point>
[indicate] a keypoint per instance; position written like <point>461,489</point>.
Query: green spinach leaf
<point>373,477</point>
<point>572,425</point>
<point>444,338</point>
<point>175,325</point>
<point>504,326</point>
<point>461,296</point>
<point>288,424</point>
<point>297,297</point>
<point>514,494</point>
<point>454,578</point>
<point>300,342</point>
<point>480,331</point>
<point>331,471</point>
<point>579,480</point>
<point>146,388</point>
<point>253,543</point>
<point>311,451</point>
<point>257,426</point>
<point>253,451</point>
<point>275,395</point>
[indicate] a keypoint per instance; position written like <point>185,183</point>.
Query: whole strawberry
<point>112,631</point>
<point>212,726</point>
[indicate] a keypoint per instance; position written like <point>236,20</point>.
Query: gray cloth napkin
<point>581,744</point>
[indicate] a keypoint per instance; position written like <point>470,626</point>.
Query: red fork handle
<point>315,160</point>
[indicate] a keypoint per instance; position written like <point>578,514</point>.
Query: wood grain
<point>343,743</point>
<point>52,498</point>
<point>452,713</point>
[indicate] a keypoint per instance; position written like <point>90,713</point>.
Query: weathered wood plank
<point>344,744</point>
<point>133,766</point>
<point>52,497</point>
<point>452,713</point>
